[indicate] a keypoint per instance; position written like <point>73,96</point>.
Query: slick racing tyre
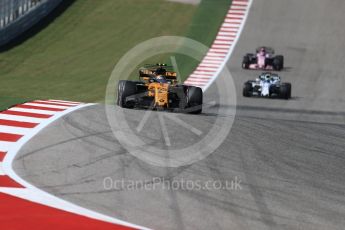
<point>125,89</point>
<point>278,62</point>
<point>245,62</point>
<point>285,91</point>
<point>247,89</point>
<point>194,99</point>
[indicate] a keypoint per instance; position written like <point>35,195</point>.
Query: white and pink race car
<point>263,59</point>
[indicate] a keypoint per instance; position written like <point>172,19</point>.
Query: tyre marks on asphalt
<point>17,122</point>
<point>24,206</point>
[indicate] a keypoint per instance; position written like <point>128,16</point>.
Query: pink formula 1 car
<point>263,59</point>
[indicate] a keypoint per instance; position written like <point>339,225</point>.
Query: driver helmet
<point>160,71</point>
<point>267,77</point>
<point>161,79</point>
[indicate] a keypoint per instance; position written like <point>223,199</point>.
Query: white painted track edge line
<point>231,45</point>
<point>21,118</point>
<point>51,200</point>
<point>54,103</point>
<point>37,111</point>
<point>62,101</point>
<point>14,130</point>
<point>226,59</point>
<point>5,145</point>
<point>2,173</point>
<point>46,106</point>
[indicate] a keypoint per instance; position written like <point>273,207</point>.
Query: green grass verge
<point>204,28</point>
<point>6,102</point>
<point>73,57</point>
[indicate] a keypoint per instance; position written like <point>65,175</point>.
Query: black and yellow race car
<point>158,89</point>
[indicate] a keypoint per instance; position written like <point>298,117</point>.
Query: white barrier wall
<point>17,16</point>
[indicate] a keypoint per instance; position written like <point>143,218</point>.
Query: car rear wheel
<point>278,62</point>
<point>285,91</point>
<point>247,89</point>
<point>179,102</point>
<point>194,99</point>
<point>245,62</point>
<point>125,89</point>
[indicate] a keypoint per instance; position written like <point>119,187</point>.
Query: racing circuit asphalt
<point>289,155</point>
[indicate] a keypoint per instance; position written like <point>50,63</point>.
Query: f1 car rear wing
<point>268,50</point>
<point>158,69</point>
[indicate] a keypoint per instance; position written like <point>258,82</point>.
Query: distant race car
<point>267,85</point>
<point>158,89</point>
<point>263,59</point>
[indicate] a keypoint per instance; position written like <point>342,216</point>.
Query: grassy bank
<point>204,28</point>
<point>72,58</point>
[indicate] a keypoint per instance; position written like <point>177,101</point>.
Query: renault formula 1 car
<point>263,59</point>
<point>158,89</point>
<point>267,85</point>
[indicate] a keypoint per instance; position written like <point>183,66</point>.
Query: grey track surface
<point>289,155</point>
